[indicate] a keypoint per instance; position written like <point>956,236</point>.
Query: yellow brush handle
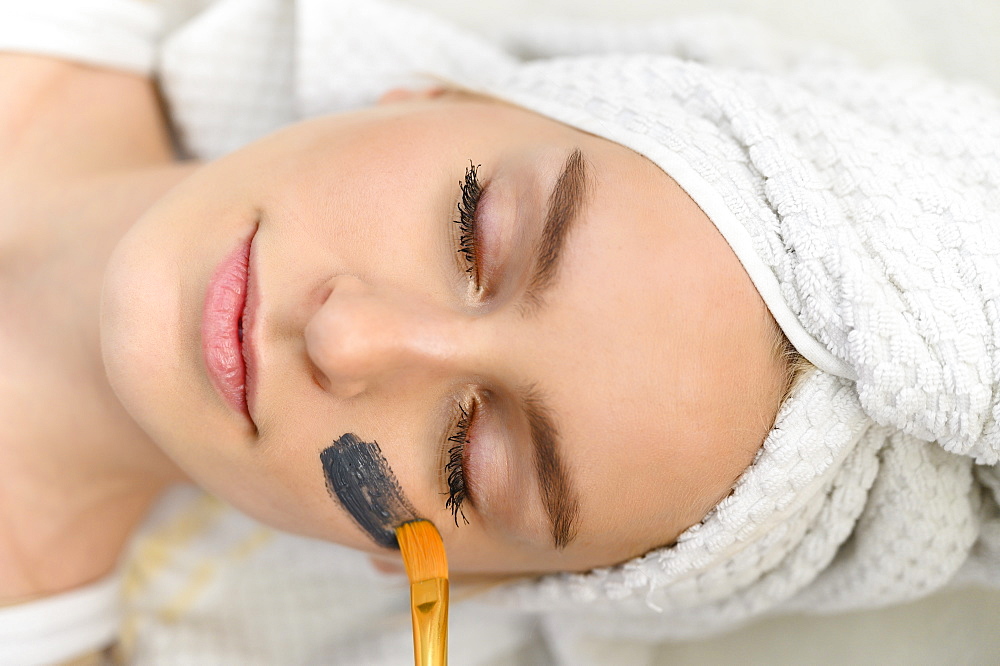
<point>429,609</point>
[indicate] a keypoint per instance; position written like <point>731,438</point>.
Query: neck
<point>117,201</point>
<point>73,485</point>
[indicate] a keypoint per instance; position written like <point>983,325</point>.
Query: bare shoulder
<point>59,118</point>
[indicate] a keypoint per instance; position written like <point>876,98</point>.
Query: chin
<point>140,328</point>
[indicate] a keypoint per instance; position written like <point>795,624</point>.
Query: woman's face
<point>580,362</point>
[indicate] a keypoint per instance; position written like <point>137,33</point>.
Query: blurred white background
<point>958,38</point>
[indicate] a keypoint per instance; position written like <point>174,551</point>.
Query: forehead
<point>663,381</point>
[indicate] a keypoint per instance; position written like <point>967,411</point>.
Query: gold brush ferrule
<point>429,609</point>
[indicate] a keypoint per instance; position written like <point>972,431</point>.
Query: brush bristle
<point>423,550</point>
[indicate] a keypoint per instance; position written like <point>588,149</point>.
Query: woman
<point>565,361</point>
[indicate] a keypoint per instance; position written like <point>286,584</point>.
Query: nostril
<point>320,380</point>
<point>337,384</point>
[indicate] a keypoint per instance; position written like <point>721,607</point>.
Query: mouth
<point>226,327</point>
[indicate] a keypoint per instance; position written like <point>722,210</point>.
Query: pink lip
<point>227,302</point>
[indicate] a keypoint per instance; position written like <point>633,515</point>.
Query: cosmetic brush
<point>427,569</point>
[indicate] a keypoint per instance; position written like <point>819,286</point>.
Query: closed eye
<point>468,247</point>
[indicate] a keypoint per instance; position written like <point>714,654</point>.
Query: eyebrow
<point>559,498</point>
<point>565,207</point>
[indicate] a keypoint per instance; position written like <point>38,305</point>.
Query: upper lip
<point>249,319</point>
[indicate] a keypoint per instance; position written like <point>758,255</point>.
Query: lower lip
<point>220,339</point>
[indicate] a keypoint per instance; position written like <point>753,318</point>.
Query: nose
<point>362,336</point>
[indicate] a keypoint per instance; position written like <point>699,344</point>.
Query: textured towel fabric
<point>862,204</point>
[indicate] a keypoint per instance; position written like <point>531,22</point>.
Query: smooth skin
<point>651,348</point>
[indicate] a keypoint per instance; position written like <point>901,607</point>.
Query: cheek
<point>282,485</point>
<point>365,225</point>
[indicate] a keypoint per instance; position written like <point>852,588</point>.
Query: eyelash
<point>454,468</point>
<point>471,193</point>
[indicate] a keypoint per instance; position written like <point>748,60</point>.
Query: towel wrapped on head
<point>865,207</point>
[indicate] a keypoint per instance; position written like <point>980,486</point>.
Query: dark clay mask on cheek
<point>359,477</point>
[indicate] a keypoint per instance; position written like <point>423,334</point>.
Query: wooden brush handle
<point>429,610</point>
